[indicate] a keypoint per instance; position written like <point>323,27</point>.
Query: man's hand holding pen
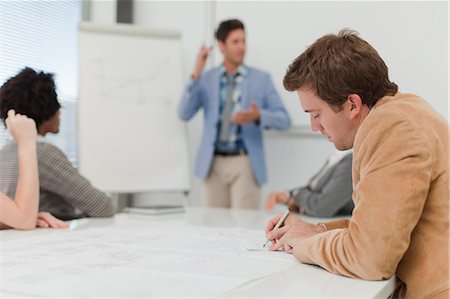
<point>294,230</point>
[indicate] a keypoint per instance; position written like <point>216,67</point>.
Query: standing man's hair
<point>336,66</point>
<point>226,27</point>
<point>30,93</point>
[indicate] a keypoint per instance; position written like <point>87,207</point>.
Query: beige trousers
<point>231,184</point>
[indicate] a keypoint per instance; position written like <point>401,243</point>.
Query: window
<point>43,36</point>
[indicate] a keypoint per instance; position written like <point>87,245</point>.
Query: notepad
<point>156,210</point>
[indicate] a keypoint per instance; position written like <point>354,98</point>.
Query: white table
<point>294,280</point>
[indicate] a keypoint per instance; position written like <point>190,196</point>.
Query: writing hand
<point>290,220</point>
<point>287,236</point>
<point>293,231</point>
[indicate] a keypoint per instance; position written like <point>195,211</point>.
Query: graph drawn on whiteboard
<point>138,88</point>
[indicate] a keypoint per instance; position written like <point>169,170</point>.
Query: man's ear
<point>221,45</point>
<point>355,105</point>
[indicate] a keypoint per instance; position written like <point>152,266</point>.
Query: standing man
<point>400,223</point>
<point>238,102</point>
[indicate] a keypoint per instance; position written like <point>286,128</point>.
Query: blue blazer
<point>204,93</point>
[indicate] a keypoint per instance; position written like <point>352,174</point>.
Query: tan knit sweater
<point>400,224</point>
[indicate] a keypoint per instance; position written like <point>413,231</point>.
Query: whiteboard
<point>130,136</point>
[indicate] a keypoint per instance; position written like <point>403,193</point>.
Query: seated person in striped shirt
<point>328,193</point>
<point>63,191</point>
<point>23,212</point>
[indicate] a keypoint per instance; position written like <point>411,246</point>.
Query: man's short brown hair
<point>225,27</point>
<point>336,66</point>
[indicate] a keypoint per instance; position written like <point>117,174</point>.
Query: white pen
<point>280,222</point>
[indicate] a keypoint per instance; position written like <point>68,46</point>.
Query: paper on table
<point>249,240</point>
<point>139,258</point>
<point>254,245</point>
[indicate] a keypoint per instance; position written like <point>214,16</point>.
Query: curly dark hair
<point>30,93</point>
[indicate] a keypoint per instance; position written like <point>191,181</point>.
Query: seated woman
<point>328,193</point>
<point>23,212</point>
<point>63,191</point>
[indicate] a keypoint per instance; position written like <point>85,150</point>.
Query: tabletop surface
<point>204,252</point>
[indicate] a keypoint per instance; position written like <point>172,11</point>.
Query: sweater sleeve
<point>57,175</point>
<point>393,165</point>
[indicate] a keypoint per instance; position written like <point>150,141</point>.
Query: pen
<point>280,222</point>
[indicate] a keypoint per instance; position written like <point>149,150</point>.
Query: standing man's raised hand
<point>201,61</point>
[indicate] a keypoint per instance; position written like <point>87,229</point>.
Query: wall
<point>410,36</point>
<point>102,12</point>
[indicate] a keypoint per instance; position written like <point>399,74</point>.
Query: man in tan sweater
<point>400,223</point>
